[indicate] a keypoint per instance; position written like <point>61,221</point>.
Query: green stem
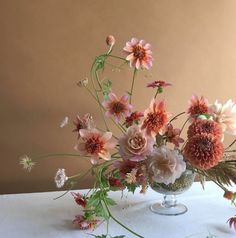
<point>156,94</point>
<point>55,155</point>
<point>117,57</point>
<point>176,117</point>
<point>132,86</point>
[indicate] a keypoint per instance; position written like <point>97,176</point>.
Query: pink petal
<point>130,57</point>
<point>137,65</point>
<point>134,41</point>
<point>106,136</point>
<point>112,97</point>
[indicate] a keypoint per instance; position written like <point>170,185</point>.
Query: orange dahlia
<point>205,126</point>
<point>204,151</point>
<point>155,118</point>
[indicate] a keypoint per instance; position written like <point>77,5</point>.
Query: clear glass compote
<point>169,205</point>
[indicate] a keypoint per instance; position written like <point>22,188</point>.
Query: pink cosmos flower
<point>95,144</point>
<point>173,135</point>
<point>83,123</point>
<point>139,53</point>
<point>83,223</point>
<point>155,118</point>
<point>158,84</point>
<point>117,107</point>
<point>135,144</point>
<point>166,165</point>
<point>197,106</point>
<point>225,115</point>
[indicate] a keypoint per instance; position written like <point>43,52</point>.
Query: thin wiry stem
<point>132,86</point>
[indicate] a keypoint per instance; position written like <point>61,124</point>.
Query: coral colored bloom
<point>110,40</point>
<point>155,118</point>
<point>134,118</point>
<point>158,84</point>
<point>135,144</point>
<point>125,166</point>
<point>197,106</point>
<point>229,195</point>
<point>117,107</point>
<point>60,178</point>
<point>83,123</point>
<point>232,222</point>
<point>173,135</point>
<point>79,199</point>
<point>200,126</point>
<point>95,144</point>
<point>225,114</point>
<point>204,151</point>
<point>166,165</point>
<point>139,53</point>
<point>83,223</point>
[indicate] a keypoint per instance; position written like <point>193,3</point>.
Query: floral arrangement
<point>121,161</point>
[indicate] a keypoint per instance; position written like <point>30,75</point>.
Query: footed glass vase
<point>169,206</point>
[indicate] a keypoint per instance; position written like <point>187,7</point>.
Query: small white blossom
<point>27,162</point>
<point>60,178</point>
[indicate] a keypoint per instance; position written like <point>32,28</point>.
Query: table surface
<point>37,215</point>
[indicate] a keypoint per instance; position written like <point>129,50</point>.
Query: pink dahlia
<point>200,126</point>
<point>135,144</point>
<point>173,135</point>
<point>95,144</point>
<point>232,222</point>
<point>198,106</point>
<point>83,223</point>
<point>139,53</point>
<point>225,114</point>
<point>83,123</point>
<point>155,118</point>
<point>117,107</point>
<point>204,150</point>
<point>134,118</point>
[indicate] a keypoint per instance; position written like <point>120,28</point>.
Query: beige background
<point>46,46</point>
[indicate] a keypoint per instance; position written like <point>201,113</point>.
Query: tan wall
<point>47,45</point>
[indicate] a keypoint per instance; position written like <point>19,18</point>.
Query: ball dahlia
<point>205,126</point>
<point>204,151</point>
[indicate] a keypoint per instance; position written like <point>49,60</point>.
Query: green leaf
<point>110,202</point>
<point>131,187</point>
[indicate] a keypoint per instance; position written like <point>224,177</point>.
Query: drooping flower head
<point>155,118</point>
<point>204,150</point>
<point>117,107</point>
<point>200,126</point>
<point>166,165</point>
<point>139,53</point>
<point>225,114</point>
<point>173,135</point>
<point>60,178</point>
<point>134,118</point>
<point>232,222</point>
<point>80,199</point>
<point>135,144</point>
<point>197,106</point>
<point>83,223</point>
<point>110,40</point>
<point>95,144</point>
<point>83,123</point>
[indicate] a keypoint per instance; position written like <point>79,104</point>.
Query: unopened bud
<point>110,40</point>
<point>229,195</point>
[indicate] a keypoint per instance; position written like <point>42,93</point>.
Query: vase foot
<point>178,209</point>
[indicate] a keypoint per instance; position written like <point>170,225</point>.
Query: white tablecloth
<point>36,215</point>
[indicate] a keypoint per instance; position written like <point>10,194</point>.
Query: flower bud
<point>229,195</point>
<point>110,40</point>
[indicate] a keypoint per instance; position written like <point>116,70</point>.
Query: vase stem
<point>169,201</point>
